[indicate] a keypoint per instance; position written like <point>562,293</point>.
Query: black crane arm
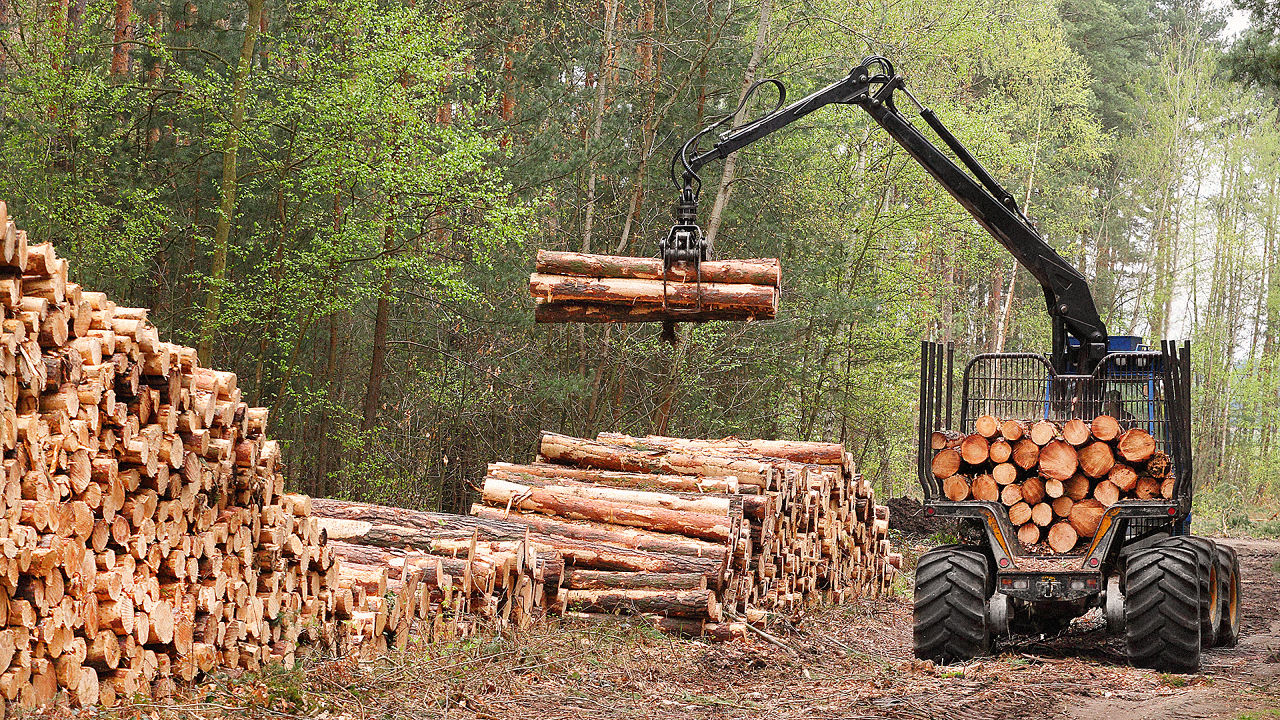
<point>871,85</point>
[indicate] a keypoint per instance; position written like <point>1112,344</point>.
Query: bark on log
<point>757,300</point>
<point>618,535</point>
<point>753,271</point>
<point>612,478</point>
<point>576,312</point>
<point>669,603</point>
<point>580,579</point>
<point>809,453</point>
<point>588,453</point>
<point>548,501</point>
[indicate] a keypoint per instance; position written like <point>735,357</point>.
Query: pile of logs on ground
<point>448,576</point>
<point>1056,479</point>
<point>706,530</point>
<point>145,538</point>
<point>578,287</point>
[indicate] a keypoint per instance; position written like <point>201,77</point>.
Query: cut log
<point>1062,537</point>
<point>974,449</point>
<point>1033,490</point>
<point>1148,487</point>
<point>1086,515</point>
<point>956,487</point>
<point>987,426</point>
<point>1042,514</point>
<point>1043,432</point>
<point>1053,489</point>
<point>757,300</point>
<point>1105,428</point>
<point>1166,487</point>
<point>1106,493</point>
<point>1058,460</point>
<point>668,603</point>
<point>1026,453</point>
<point>1013,430</point>
<point>1004,473</point>
<point>592,454</point>
<point>561,504</point>
<point>611,478</point>
<point>941,439</point>
<point>1136,445</point>
<point>579,579</point>
<point>1096,459</point>
<point>1029,534</point>
<point>946,463</point>
<point>1076,488</point>
<point>1123,477</point>
<point>1075,431</point>
<point>1000,451</point>
<point>1020,513</point>
<point>985,488</point>
<point>590,313</point>
<point>621,536</point>
<point>755,271</point>
<point>1011,495</point>
<point>1062,506</point>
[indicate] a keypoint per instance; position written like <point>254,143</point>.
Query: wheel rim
<point>1233,601</point>
<point>1215,609</point>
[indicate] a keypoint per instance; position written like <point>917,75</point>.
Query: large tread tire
<point>1162,609</point>
<point>950,619</point>
<point>1210,605</point>
<point>1228,596</point>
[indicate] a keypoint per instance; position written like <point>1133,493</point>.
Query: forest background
<point>340,200</point>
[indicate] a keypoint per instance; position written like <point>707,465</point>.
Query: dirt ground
<point>848,662</point>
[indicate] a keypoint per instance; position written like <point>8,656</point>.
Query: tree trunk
<point>597,122</point>
<point>730,163</point>
<point>230,179</point>
<point>378,357</point>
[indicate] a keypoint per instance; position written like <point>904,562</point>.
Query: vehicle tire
<point>1206,553</point>
<point>1162,609</point>
<point>1228,596</point>
<point>950,620</point>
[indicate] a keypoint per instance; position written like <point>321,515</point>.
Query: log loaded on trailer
<point>1070,473</point>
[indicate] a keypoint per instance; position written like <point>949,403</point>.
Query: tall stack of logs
<point>711,529</point>
<point>1055,479</point>
<point>145,537</point>
<point>580,287</point>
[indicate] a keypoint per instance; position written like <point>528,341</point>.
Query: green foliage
<point>399,163</point>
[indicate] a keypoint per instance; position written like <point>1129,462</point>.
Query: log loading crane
<point>1168,593</point>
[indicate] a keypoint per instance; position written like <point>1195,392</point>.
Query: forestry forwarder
<point>1169,594</point>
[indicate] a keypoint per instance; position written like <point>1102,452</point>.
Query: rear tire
<point>1206,553</point>
<point>1228,596</point>
<point>1162,609</point>
<point>950,619</point>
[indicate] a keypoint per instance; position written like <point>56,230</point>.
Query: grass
<point>1260,715</point>
<point>1275,566</point>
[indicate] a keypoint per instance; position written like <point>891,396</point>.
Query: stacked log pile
<point>145,538</point>
<point>448,576</point>
<point>1055,479</point>
<point>712,529</point>
<point>579,287</point>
